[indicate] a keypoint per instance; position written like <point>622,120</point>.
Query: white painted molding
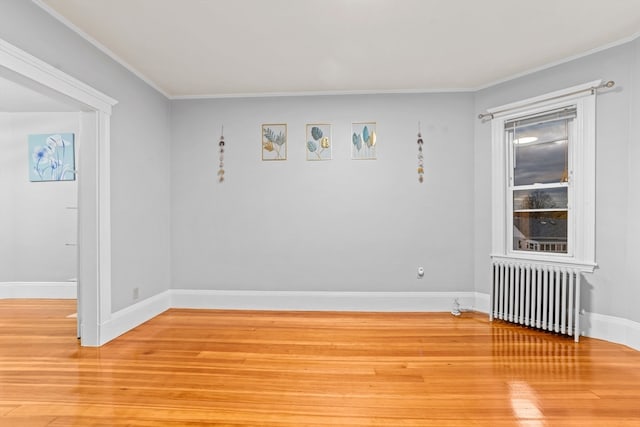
<point>525,73</point>
<point>544,101</point>
<point>608,328</point>
<point>320,93</point>
<point>613,329</point>
<point>35,69</point>
<point>99,46</point>
<point>130,317</point>
<point>45,290</point>
<point>581,237</point>
<point>542,261</point>
<point>94,202</point>
<point>593,325</point>
<point>322,301</point>
<point>482,303</point>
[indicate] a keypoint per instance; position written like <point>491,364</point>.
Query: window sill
<point>583,266</point>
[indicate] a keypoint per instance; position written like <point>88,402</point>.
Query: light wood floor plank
<point>250,368</point>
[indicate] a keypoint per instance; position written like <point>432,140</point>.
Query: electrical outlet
<point>136,293</point>
<point>420,272</point>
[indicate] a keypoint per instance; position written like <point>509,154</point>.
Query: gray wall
<point>140,140</point>
<point>632,234</point>
<point>342,224</point>
<point>338,225</point>
<point>35,223</point>
<point>610,288</point>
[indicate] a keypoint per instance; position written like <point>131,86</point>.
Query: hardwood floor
<point>248,368</point>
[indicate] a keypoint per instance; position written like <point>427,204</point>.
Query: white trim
<point>599,326</point>
<point>545,261</point>
<point>135,315</point>
<point>541,102</point>
<point>586,53</point>
<point>94,203</point>
<point>45,290</point>
<point>34,69</point>
<point>321,301</point>
<point>608,328</point>
<point>130,317</point>
<point>482,303</point>
<point>104,216</point>
<point>320,93</point>
<point>98,45</point>
<point>581,179</point>
<point>612,329</point>
<point>499,174</point>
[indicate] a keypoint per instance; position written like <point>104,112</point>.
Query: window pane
<point>547,198</point>
<point>541,153</point>
<point>540,231</point>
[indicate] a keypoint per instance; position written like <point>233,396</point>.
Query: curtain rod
<point>609,84</point>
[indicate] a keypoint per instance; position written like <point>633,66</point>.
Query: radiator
<point>539,296</point>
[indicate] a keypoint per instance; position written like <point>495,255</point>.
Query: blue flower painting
<point>51,157</point>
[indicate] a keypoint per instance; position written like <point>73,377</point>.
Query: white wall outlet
<point>136,293</point>
<point>420,272</point>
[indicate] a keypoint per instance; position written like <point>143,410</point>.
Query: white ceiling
<point>193,48</point>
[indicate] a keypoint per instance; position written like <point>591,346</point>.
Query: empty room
<point>319,213</point>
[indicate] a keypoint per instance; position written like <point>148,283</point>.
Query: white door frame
<point>94,201</point>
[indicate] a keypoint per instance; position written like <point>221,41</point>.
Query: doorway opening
<point>93,110</point>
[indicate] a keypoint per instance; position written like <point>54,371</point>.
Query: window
<point>543,183</point>
<point>539,188</point>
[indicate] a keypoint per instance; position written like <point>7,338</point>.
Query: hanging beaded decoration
<point>420,156</point>
<point>221,145</point>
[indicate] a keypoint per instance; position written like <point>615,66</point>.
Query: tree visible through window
<point>539,182</point>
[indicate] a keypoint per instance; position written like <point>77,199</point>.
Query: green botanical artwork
<point>318,141</point>
<point>274,142</point>
<point>363,141</point>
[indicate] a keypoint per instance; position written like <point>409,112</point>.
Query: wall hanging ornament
<point>221,145</point>
<point>420,156</point>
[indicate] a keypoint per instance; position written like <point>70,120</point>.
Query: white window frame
<point>581,203</point>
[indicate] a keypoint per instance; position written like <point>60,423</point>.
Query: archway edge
<point>94,195</point>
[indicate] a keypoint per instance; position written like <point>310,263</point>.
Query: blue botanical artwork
<point>274,142</point>
<point>318,142</point>
<point>51,157</point>
<point>363,141</point>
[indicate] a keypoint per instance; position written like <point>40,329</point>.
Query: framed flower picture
<point>51,157</point>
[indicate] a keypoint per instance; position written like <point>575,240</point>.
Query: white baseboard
<point>321,301</point>
<point>608,328</point>
<point>128,318</point>
<point>481,302</point>
<point>612,329</point>
<point>45,290</point>
<point>593,325</point>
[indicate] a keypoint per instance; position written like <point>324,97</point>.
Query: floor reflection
<point>528,359</point>
<point>523,353</point>
<point>525,404</point>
